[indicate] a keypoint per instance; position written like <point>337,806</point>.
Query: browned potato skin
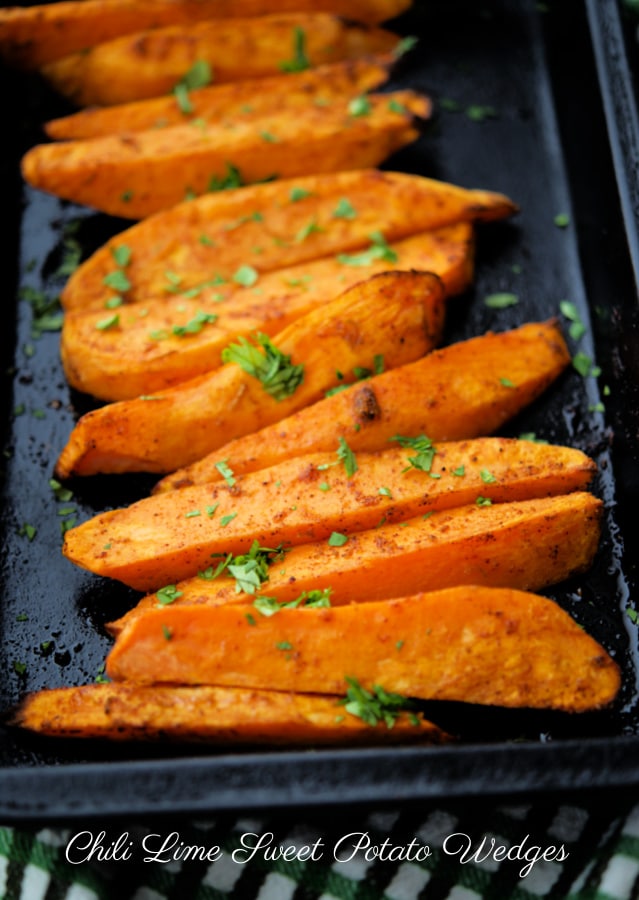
<point>396,315</point>
<point>236,221</point>
<point>237,101</point>
<point>155,541</point>
<point>461,395</point>
<point>473,644</point>
<point>129,712</point>
<point>526,545</point>
<point>127,361</point>
<point>150,63</point>
<point>137,174</point>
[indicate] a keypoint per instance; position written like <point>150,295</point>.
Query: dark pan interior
<point>518,110</point>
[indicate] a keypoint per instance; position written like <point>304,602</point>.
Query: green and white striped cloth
<point>591,850</point>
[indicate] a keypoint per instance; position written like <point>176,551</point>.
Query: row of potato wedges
<point>334,537</point>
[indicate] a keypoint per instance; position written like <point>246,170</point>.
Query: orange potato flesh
<point>493,646</point>
<point>464,390</point>
<point>293,221</point>
<point>165,538</point>
<point>35,35</point>
<point>150,63</point>
<point>208,714</point>
<point>526,545</point>
<point>393,317</point>
<point>144,355</point>
<point>136,175</point>
<point>241,101</point>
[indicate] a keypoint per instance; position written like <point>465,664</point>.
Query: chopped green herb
<point>385,492</point>
<point>324,486</point>
<point>199,75</point>
<point>196,324</point>
<point>168,594</point>
<point>487,477</point>
<point>378,363</point>
<point>117,280</point>
<point>307,230</point>
<point>210,510</point>
<point>337,540</point>
<point>121,255</point>
<point>501,300</point>
<point>61,493</point>
<point>300,60</point>
<point>67,524</point>
<point>224,521</point>
<point>22,617</point>
<point>126,196</point>
<point>297,193</point>
<point>379,249</point>
<point>109,322</point>
<point>346,455</point>
<point>166,631</point>
<point>19,667</point>
<point>484,501</point>
<point>250,619</point>
<point>206,240</point>
<point>425,451</point>
<point>28,531</point>
<point>269,137</point>
<point>113,302</point>
<point>397,107</point>
<point>232,179</point>
<point>506,382</point>
<point>633,615</point>
<point>374,706</point>
<point>562,220</point>
<point>269,365</point>
<point>359,106</point>
<point>225,471</point>
<point>583,364</point>
<point>246,276</point>
<point>478,113</point>
<point>344,209</point>
<point>406,44</point>
<point>193,514</point>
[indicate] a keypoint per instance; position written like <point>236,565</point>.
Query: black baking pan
<point>535,100</point>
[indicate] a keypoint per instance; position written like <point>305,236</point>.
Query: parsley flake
<point>269,365</point>
<point>375,706</point>
<point>501,300</point>
<point>246,276</point>
<point>379,249</point>
<point>168,594</point>
<point>337,540</point>
<point>359,106</point>
<point>225,471</point>
<point>562,220</point>
<point>109,322</point>
<point>300,60</point>
<point>346,455</point>
<point>425,451</point>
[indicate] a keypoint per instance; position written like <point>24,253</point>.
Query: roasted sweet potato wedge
<point>293,221</point>
<point>168,537</point>
<point>383,322</point>
<point>136,175</point>
<point>150,63</point>
<point>237,101</point>
<point>464,390</point>
<point>125,712</point>
<point>32,36</point>
<point>472,644</point>
<point>168,340</point>
<point>526,544</point>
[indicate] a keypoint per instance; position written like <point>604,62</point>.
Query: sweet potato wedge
<point>150,63</point>
<point>125,712</point>
<point>526,544</point>
<point>473,644</point>
<point>212,236</point>
<point>32,36</point>
<point>136,175</point>
<point>163,539</point>
<point>461,391</point>
<point>385,321</point>
<point>237,101</point>
<point>168,340</point>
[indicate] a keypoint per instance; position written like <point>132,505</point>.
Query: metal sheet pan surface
<point>517,112</point>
